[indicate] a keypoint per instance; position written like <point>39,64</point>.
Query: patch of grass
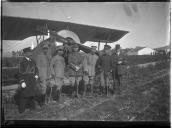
<point>130,104</point>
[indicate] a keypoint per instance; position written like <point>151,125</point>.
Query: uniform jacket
<point>105,63</point>
<point>90,61</point>
<point>118,69</point>
<point>57,66</point>
<point>43,64</point>
<point>77,59</point>
<point>27,72</point>
<point>67,50</point>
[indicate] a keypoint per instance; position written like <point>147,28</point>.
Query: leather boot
<point>58,95</point>
<point>106,90</point>
<point>76,91</point>
<point>85,89</point>
<point>101,90</point>
<point>40,100</point>
<point>54,93</point>
<point>70,91</point>
<point>43,99</point>
<point>91,89</point>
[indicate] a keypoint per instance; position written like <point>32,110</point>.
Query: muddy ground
<point>145,96</point>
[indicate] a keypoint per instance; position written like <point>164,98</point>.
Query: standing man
<point>57,67</point>
<point>43,64</point>
<point>28,75</point>
<point>105,65</point>
<point>90,61</point>
<point>68,49</point>
<point>75,68</point>
<point>119,62</point>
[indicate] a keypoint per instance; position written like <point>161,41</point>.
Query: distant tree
<point>13,54</point>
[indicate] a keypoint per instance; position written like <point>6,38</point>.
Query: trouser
<point>56,89</point>
<point>117,83</point>
<point>56,93</point>
<point>42,87</point>
<point>74,80</point>
<point>24,103</point>
<point>104,81</point>
<point>89,80</point>
<point>43,84</point>
<point>58,83</point>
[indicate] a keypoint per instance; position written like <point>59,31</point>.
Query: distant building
<point>163,50</point>
<point>141,51</point>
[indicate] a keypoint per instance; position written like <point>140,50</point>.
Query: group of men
<point>46,72</point>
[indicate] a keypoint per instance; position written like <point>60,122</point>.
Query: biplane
<point>19,28</point>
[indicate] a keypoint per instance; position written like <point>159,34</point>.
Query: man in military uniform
<point>43,64</point>
<point>28,75</point>
<point>90,61</point>
<point>57,67</point>
<point>119,62</point>
<point>67,49</point>
<point>75,68</point>
<point>105,65</point>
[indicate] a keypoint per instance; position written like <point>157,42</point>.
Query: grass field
<point>145,97</point>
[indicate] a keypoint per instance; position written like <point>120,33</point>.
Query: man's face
<point>107,51</point>
<point>75,49</point>
<point>60,51</point>
<point>28,54</point>
<point>93,50</point>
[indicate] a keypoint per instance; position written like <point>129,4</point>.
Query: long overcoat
<point>27,72</point>
<point>90,61</point>
<point>43,64</point>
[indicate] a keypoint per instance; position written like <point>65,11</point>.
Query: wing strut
<point>99,46</point>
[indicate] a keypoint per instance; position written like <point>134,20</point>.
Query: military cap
<point>45,46</point>
<point>28,49</point>
<point>107,47</point>
<point>94,47</point>
<point>117,46</point>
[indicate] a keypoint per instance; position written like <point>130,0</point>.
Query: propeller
<point>64,36</point>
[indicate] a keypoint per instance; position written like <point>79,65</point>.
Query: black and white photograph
<point>85,61</point>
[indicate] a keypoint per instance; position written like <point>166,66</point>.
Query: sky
<point>148,23</point>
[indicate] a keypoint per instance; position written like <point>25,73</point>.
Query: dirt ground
<point>145,96</point>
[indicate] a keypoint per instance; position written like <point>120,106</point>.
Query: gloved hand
<point>23,84</point>
<point>36,77</point>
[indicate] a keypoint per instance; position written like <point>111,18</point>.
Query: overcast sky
<point>147,22</point>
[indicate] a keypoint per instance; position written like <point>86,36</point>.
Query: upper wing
<point>16,28</point>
